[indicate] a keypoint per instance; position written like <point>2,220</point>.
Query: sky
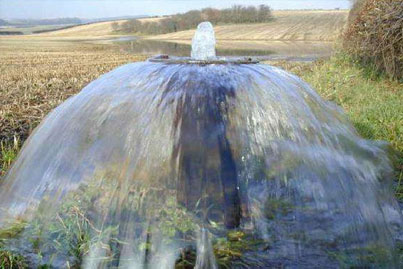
<point>46,9</point>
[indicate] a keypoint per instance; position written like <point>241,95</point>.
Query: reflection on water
<point>303,51</point>
<point>153,47</point>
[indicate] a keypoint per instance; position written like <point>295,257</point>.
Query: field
<point>36,76</point>
<point>93,30</point>
<point>98,30</point>
<point>31,29</point>
<point>287,25</point>
<point>89,31</point>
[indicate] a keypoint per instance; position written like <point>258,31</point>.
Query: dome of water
<point>188,163</point>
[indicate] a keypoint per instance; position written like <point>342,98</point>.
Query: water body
<point>264,50</point>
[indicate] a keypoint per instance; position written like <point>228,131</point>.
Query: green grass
<point>372,256</point>
<point>9,260</point>
<point>67,233</point>
<point>372,102</point>
<point>8,153</point>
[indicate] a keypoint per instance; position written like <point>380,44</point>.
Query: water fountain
<point>201,162</point>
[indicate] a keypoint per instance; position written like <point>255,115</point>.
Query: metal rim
<point>187,60</point>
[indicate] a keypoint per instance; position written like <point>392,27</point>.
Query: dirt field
<point>36,76</point>
<point>89,31</point>
<point>288,25</point>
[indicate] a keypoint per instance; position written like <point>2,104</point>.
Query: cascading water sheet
<point>164,164</point>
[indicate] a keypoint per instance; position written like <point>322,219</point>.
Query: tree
<point>264,13</point>
<point>211,14</point>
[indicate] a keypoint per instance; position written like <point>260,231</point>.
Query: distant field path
<point>307,25</point>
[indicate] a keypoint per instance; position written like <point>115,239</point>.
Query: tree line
<point>190,19</point>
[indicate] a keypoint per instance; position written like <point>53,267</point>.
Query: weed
<point>8,153</point>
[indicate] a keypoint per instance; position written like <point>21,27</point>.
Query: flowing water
<point>163,164</point>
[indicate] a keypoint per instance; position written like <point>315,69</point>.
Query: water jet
<point>205,161</point>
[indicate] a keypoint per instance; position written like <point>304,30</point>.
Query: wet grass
<point>370,257</point>
<point>71,231</point>
<point>372,102</point>
<point>9,259</point>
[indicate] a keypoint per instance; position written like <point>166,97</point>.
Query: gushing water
<point>166,164</point>
<point>203,42</point>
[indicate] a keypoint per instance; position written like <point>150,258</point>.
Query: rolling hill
<point>290,25</point>
<point>92,30</point>
<point>306,25</point>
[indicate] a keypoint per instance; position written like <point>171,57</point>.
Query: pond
<point>264,50</point>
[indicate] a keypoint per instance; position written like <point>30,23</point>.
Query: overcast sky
<point>39,9</point>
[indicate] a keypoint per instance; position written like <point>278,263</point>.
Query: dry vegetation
<point>36,76</point>
<point>375,35</point>
<point>30,29</point>
<point>287,25</point>
<point>89,31</point>
<point>93,30</point>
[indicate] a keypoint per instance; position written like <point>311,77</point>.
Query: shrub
<point>374,35</point>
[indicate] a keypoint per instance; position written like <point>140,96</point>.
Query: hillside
<point>308,25</point>
<point>88,31</point>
